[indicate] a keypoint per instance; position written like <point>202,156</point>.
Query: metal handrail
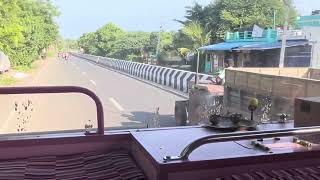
<point>184,155</point>
<point>269,34</point>
<point>61,89</point>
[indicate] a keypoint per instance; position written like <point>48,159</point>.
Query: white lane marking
<point>116,104</point>
<point>93,82</point>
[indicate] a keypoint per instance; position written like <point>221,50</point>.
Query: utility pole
<point>284,35</point>
<point>274,19</point>
<point>198,62</point>
<point>159,40</point>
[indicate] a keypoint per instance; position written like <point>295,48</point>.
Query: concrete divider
<point>176,79</point>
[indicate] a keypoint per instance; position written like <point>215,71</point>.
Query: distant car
<point>5,64</point>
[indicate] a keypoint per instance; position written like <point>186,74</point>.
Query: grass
<point>23,68</point>
<point>6,80</point>
<point>26,68</point>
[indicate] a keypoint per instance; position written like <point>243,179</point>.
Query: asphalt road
<point>128,103</point>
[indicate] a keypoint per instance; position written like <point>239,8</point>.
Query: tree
<point>112,41</point>
<point>183,52</point>
<point>166,41</point>
<point>197,13</point>
<point>197,34</point>
<point>11,31</point>
<point>67,44</point>
<point>232,15</point>
<point>27,29</point>
<point>181,40</point>
<point>40,30</point>
<point>132,44</point>
<point>89,43</point>
<point>240,14</point>
<point>107,37</point>
<point>182,44</point>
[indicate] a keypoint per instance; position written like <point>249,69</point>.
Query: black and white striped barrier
<point>177,79</point>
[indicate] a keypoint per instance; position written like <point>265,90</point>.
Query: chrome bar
<point>60,89</point>
<point>184,155</point>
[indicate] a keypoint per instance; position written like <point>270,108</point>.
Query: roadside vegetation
<point>27,30</point>
<point>6,80</point>
<point>203,25</point>
<point>112,41</point>
<point>26,69</point>
<point>67,45</point>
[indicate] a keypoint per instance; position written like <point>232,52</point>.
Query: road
<point>128,103</point>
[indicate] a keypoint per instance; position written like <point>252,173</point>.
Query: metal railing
<point>293,34</point>
<point>61,89</point>
<point>269,35</point>
<point>184,155</point>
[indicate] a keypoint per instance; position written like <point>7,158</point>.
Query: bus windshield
<point>158,63</point>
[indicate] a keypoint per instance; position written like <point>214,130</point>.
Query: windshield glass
<point>219,63</point>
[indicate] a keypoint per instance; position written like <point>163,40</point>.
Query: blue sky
<point>80,16</point>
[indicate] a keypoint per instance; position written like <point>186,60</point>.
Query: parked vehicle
<point>5,64</point>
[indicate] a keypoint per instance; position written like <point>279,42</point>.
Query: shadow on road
<point>147,119</point>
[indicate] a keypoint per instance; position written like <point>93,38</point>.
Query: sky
<point>81,16</point>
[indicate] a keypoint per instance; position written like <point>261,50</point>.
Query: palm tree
<point>197,34</point>
<point>197,13</point>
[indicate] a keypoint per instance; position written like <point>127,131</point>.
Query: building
<point>244,49</point>
<point>261,47</point>
<point>298,52</point>
<point>310,25</point>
